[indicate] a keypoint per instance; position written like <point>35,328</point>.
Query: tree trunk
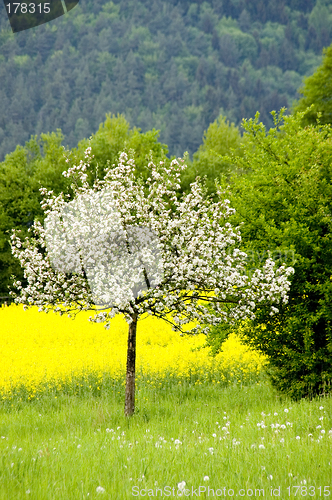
<point>130,374</point>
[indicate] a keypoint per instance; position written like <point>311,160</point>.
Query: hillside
<point>173,65</point>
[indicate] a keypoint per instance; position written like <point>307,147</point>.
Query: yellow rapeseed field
<point>39,348</point>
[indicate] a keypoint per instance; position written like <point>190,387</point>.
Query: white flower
<point>298,437</point>
<point>286,410</point>
<point>214,435</point>
<point>261,446</point>
<point>177,441</point>
<point>321,407</point>
<point>282,440</point>
<point>100,489</point>
<point>181,485</point>
<point>206,478</point>
<point>322,431</point>
<point>211,450</point>
<point>270,477</point>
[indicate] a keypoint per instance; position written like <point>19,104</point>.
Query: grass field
<point>71,441</point>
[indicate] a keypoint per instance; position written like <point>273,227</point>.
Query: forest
<point>169,65</point>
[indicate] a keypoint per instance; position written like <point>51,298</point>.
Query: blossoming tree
<point>122,246</point>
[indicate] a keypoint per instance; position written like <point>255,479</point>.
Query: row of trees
<point>280,183</point>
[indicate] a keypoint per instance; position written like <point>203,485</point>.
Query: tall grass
<point>240,437</point>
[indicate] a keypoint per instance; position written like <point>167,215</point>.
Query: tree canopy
<point>219,140</point>
<point>317,93</point>
<point>285,204</point>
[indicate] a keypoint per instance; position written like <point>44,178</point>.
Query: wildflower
<point>100,489</point>
<point>322,431</point>
<point>211,450</point>
<point>261,446</point>
<point>206,478</point>
<point>177,441</point>
<point>282,440</point>
<point>321,407</point>
<point>286,410</point>
<point>181,485</point>
<point>298,437</point>
<point>214,435</point>
<point>270,477</point>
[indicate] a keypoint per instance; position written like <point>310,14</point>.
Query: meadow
<point>203,426</point>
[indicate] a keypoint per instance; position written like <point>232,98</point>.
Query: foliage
<point>317,93</point>
<point>21,175</point>
<point>115,135</point>
<point>170,65</point>
<point>285,203</point>
<point>106,262</point>
<point>220,139</point>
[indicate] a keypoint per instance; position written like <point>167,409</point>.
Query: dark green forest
<point>172,65</point>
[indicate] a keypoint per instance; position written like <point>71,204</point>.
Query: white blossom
<point>175,257</point>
